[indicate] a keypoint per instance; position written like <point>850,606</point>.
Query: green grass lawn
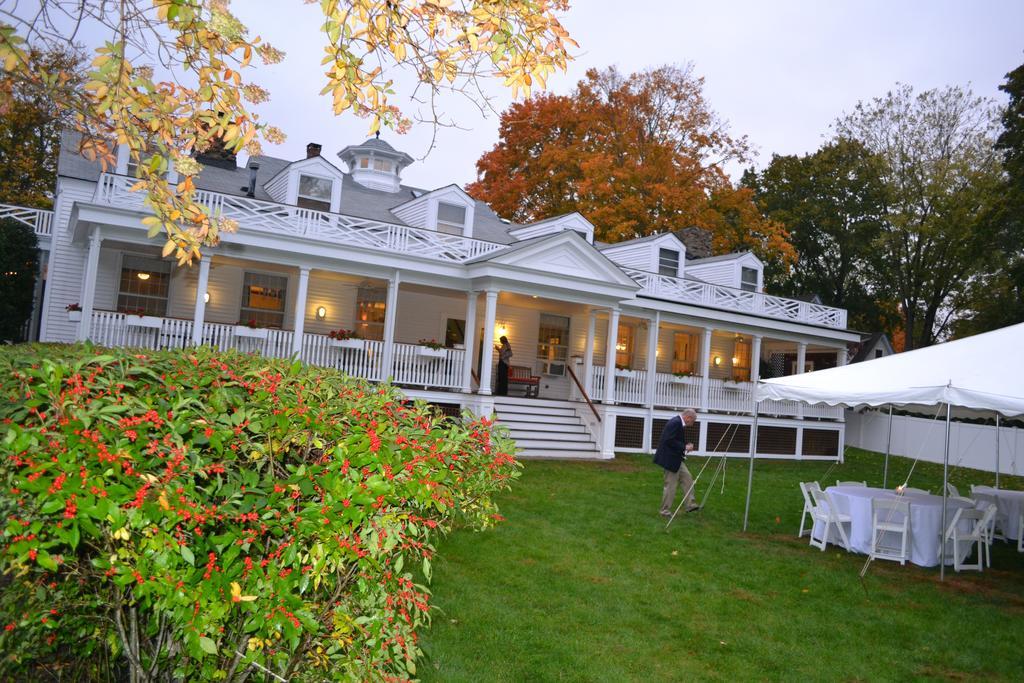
<point>582,583</point>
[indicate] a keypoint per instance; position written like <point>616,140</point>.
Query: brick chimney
<point>697,241</point>
<point>313,150</point>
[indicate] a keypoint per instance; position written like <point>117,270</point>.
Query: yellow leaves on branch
<point>204,102</point>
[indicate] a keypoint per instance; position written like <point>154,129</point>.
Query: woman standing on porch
<point>504,356</point>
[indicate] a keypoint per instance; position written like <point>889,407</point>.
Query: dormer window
<point>668,262</point>
<point>748,279</point>
<point>451,218</point>
<point>314,193</point>
<point>382,165</point>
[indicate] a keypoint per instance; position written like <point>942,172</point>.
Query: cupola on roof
<point>376,164</point>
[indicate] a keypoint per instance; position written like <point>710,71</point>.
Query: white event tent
<point>980,375</point>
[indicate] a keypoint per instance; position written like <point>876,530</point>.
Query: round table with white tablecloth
<point>925,520</point>
<point>1010,504</point>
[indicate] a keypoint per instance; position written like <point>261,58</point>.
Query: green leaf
<point>208,645</point>
<point>46,561</point>
<point>187,555</point>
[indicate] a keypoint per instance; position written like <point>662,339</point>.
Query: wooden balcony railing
<point>40,220</point>
<point>730,298</point>
<point>283,219</point>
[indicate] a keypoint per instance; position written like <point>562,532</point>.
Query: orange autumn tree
<point>176,76</point>
<point>637,155</point>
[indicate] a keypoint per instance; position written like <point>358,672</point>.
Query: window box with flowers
<point>74,312</point>
<point>346,339</point>
<point>683,378</point>
<point>623,371</point>
<point>251,330</point>
<point>430,348</point>
<point>139,319</point>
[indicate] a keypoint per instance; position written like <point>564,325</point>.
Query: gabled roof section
<point>663,240</point>
<point>735,256</point>
<point>570,221</point>
<point>448,192</point>
<point>316,164</point>
<point>565,253</point>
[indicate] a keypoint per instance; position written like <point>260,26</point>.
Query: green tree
<point>832,204</point>
<point>996,299</point>
<point>30,131</point>
<point>941,175</point>
<point>18,264</point>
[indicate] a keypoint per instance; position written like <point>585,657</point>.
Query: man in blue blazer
<point>671,455</point>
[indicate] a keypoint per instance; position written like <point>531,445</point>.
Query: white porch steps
<point>545,428</point>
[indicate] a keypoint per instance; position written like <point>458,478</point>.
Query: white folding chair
<point>911,489</point>
<point>851,483</point>
<point>952,490</point>
<point>805,488</point>
<point>963,499</point>
<point>999,520</point>
<point>890,516</point>
<point>978,535</point>
<point>825,511</point>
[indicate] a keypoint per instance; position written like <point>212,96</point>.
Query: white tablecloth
<point>1009,503</point>
<point>925,520</point>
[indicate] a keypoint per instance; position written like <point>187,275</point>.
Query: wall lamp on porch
<point>717,360</point>
<point>321,312</point>
<point>501,330</point>
<point>206,297</point>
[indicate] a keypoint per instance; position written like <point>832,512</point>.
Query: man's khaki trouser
<point>673,480</point>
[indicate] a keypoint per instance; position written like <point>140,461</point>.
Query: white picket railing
<point>676,392</point>
<point>40,220</point>
<point>263,216</point>
<point>730,298</point>
<point>412,366</point>
<point>420,366</point>
<point>735,397</point>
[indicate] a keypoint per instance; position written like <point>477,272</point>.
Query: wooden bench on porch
<point>522,375</point>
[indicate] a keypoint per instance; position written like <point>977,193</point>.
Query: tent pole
<point>945,495</point>
<point>750,473</point>
<point>888,444</point>
<point>997,449</point>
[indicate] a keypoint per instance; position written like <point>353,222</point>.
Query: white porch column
<point>755,359</point>
<point>755,368</point>
<point>300,311</point>
<point>841,357</point>
<point>92,263</point>
<point>705,368</point>
<point>199,316</point>
<point>487,352</point>
<point>652,360</point>
<point>390,318</point>
<point>609,356</point>
<point>469,342</point>
<point>588,354</point>
<point>801,360</point>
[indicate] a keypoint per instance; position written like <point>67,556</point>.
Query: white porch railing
<point>734,397</point>
<point>676,392</point>
<point>730,298</point>
<point>40,220</point>
<point>412,364</point>
<point>263,216</point>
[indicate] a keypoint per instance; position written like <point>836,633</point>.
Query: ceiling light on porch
<point>321,312</point>
<point>534,296</point>
<point>142,276</point>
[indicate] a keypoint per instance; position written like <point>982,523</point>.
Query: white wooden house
<point>621,335</point>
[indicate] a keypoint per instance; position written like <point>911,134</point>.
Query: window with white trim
<point>382,165</point>
<point>668,262</point>
<point>553,343</point>
<point>451,218</point>
<point>263,299</point>
<point>748,279</point>
<point>144,285</point>
<point>371,306</point>
<point>624,346</point>
<point>314,192</point>
<point>684,353</point>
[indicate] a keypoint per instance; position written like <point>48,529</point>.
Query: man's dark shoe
<point>693,508</point>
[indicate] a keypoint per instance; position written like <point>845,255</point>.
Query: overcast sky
<point>779,72</point>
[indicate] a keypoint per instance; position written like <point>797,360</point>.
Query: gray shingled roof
<point>356,200</point>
